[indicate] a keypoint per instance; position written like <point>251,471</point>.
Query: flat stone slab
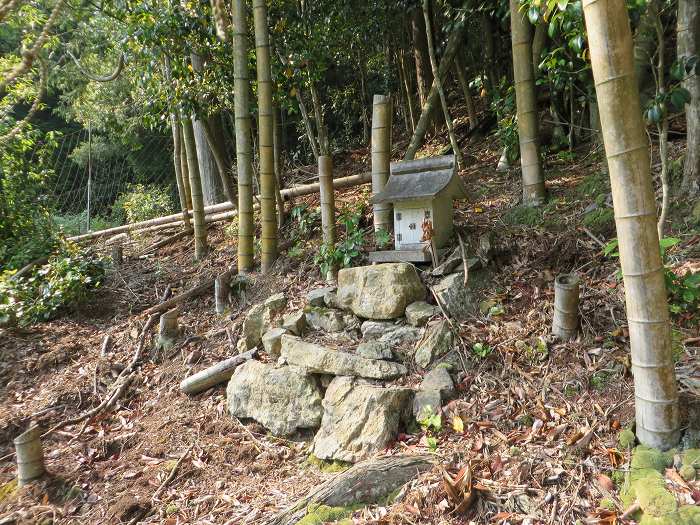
<point>272,341</point>
<point>316,297</point>
<point>375,350</point>
<point>419,313</point>
<point>322,360</point>
<point>438,341</point>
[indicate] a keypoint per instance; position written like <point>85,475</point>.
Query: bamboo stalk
<point>268,212</point>
<point>526,103</point>
<point>185,172</point>
<point>381,158</point>
<point>246,230</point>
<point>214,375</point>
<point>566,297</point>
<point>30,456</point>
<point>626,148</point>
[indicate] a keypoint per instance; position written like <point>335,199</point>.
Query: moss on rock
<point>692,457</point>
<point>320,514</point>
<point>687,472</point>
<point>653,497</point>
<point>8,489</point>
<point>644,457</point>
<point>626,438</point>
<point>327,466</point>
<point>606,503</point>
<point>686,515</point>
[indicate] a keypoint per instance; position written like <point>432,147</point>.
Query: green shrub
<point>26,229</point>
<point>526,215</point>
<point>65,281</point>
<point>143,202</point>
<point>600,220</point>
<point>75,224</point>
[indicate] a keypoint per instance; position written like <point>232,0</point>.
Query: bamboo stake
<point>626,148</point>
<point>325,178</point>
<point>30,456</point>
<point>526,103</point>
<point>246,230</point>
<point>566,297</point>
<point>200,230</point>
<point>381,158</point>
<point>268,214</point>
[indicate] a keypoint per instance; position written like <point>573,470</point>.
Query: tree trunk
<point>688,31</point>
<point>464,84</point>
<point>214,132</point>
<point>307,123</point>
<point>200,227</point>
<point>487,32</point>
<point>212,187</point>
<point>644,48</point>
<point>366,482</point>
<point>526,102</point>
<point>626,147</point>
<point>246,229</point>
<point>454,43</point>
<point>364,97</point>
<point>176,131</point>
<point>268,214</point>
<point>381,158</point>
<point>424,73</point>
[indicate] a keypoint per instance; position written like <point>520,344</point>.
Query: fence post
<point>89,184</point>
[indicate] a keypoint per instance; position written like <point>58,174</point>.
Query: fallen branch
<point>365,482</point>
<point>173,471</point>
<point>26,268</point>
<point>214,375</point>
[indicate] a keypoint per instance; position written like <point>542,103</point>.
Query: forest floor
<point>539,420</point>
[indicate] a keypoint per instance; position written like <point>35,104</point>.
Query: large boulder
<point>359,419</point>
<point>282,399</point>
<point>381,291</point>
<point>438,341</point>
<point>322,360</point>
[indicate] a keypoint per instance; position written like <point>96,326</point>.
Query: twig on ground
<point>171,476</point>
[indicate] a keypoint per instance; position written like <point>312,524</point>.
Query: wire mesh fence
<point>91,175</point>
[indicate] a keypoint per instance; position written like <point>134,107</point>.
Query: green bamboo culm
<point>200,227</point>
<point>268,211</point>
<point>627,151</point>
<point>526,102</point>
<point>244,163</point>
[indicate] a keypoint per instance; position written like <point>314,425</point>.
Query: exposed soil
<point>540,421</point>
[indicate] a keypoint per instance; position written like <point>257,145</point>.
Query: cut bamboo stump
<point>30,456</point>
<point>566,295</point>
<point>169,329</point>
<point>214,375</point>
<point>222,292</point>
<point>117,254</point>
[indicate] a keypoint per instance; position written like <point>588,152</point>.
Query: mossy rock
<point>687,472</point>
<point>626,439</point>
<point>320,514</point>
<point>691,457</point>
<point>628,494</point>
<point>686,515</point>
<point>327,466</point>
<point>653,497</point>
<point>644,457</point>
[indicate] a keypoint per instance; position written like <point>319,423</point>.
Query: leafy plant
<point>343,253</point>
<point>683,290</point>
<point>65,281</point>
<point>503,105</point>
<point>143,202</point>
<point>307,220</point>
<point>381,238</point>
<point>429,419</point>
<point>481,350</point>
